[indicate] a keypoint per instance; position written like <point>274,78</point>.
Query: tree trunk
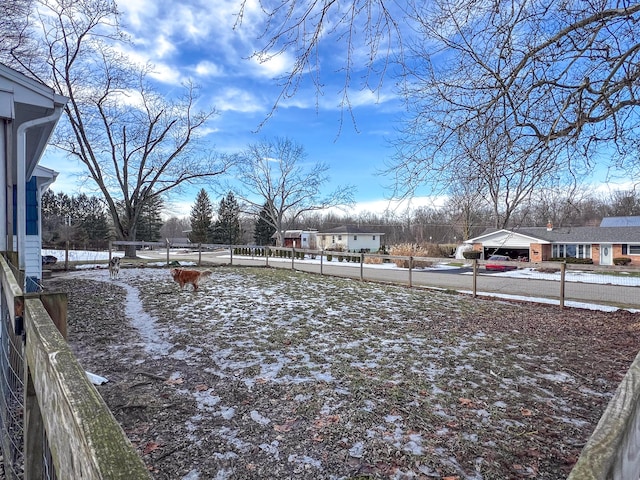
<point>130,251</point>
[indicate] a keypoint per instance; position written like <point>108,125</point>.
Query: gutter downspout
<point>4,165</point>
<point>21,181</point>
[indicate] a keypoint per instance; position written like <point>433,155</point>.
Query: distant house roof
<point>294,233</point>
<point>573,234</point>
<point>631,221</point>
<point>178,240</point>
<point>349,229</point>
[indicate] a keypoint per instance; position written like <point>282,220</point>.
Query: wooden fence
<point>613,450</point>
<point>60,405</point>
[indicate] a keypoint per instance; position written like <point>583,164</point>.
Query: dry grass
<point>269,373</point>
<point>412,250</point>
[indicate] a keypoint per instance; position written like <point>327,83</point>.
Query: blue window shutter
<point>31,206</point>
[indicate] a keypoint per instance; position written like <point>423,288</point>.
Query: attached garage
<point>505,242</point>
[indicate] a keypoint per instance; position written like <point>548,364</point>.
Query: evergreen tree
<point>81,220</point>
<point>150,221</point>
<point>201,219</point>
<point>227,228</point>
<point>264,230</point>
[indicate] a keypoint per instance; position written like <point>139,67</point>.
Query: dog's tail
<point>205,273</point>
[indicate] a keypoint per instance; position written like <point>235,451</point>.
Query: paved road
<point>620,296</point>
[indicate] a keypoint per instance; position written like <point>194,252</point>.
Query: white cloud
<point>137,11</point>
<point>273,66</point>
<point>163,47</point>
<point>207,68</point>
<point>237,100</point>
<point>166,74</point>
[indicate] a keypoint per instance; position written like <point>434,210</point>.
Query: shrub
<point>373,260</point>
<point>340,258</point>
<point>621,261</point>
<point>409,250</point>
<point>573,260</point>
<point>329,258</point>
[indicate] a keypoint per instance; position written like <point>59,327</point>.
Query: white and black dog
<point>114,267</point>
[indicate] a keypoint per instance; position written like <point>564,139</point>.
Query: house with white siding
<point>350,238</point>
<point>29,112</point>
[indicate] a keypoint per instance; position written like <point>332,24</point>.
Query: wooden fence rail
<point>60,404</point>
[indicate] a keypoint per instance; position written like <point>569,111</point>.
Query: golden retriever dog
<point>183,276</point>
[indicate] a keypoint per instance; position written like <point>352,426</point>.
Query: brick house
<point>601,244</point>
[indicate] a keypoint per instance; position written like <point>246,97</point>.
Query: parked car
<point>49,260</point>
<point>497,266</point>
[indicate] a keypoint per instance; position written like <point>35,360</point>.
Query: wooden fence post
<point>475,277</point>
<point>563,270</point>
<point>168,260</point>
<point>66,256</point>
<point>56,305</point>
<point>361,266</point>
<point>33,430</point>
<point>410,272</point>
<point>321,259</point>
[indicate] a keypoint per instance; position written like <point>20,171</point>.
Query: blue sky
<point>196,40</point>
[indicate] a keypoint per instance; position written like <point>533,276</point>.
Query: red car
<point>498,267</point>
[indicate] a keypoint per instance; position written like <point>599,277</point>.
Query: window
<point>571,250</point>
<point>634,249</point>
<point>339,237</point>
<point>374,237</point>
<point>355,237</point>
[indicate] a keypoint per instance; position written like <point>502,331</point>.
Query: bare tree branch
<point>274,177</point>
<point>136,144</point>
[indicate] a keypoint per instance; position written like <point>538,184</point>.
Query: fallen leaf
<point>286,426</point>
<point>466,402</point>
<point>261,380</point>
<point>151,447</point>
<point>526,412</point>
<point>174,381</point>
<point>451,478</point>
<point>324,421</point>
<point>201,387</point>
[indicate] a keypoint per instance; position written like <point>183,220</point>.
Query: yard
<point>268,373</point>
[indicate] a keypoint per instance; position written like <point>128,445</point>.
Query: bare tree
<point>550,71</point>
<point>274,177</point>
<point>369,29</point>
<point>14,31</point>
<point>175,227</point>
<point>136,144</point>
